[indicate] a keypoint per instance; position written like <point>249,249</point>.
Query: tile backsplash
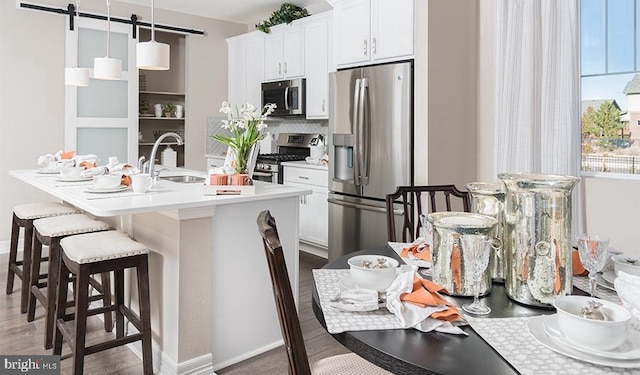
<point>275,127</point>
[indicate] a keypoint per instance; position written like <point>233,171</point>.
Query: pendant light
<point>152,55</point>
<point>77,76</point>
<point>107,67</point>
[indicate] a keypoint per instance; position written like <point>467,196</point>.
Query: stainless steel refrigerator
<point>370,151</point>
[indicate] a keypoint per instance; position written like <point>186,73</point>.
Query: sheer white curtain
<point>537,105</point>
<point>537,86</point>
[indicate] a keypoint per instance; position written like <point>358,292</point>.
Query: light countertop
<point>304,164</point>
<point>164,196</point>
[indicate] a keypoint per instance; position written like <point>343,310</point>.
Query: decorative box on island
<point>233,184</point>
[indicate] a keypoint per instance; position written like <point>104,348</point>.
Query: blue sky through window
<point>609,53</point>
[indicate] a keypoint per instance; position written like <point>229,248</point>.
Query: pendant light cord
<point>108,27</point>
<point>153,29</point>
<point>77,33</point>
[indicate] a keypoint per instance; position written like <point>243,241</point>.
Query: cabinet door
<point>351,21</point>
<point>254,70</point>
<point>237,71</point>
<point>293,61</point>
<point>273,53</point>
<point>317,216</point>
<point>317,68</point>
<point>392,28</point>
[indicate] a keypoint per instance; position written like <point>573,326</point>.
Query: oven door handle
<point>262,174</point>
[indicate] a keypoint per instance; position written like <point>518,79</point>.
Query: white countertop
<point>165,195</point>
<point>304,164</point>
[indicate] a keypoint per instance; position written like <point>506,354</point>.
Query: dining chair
<point>411,199</point>
<point>288,315</point>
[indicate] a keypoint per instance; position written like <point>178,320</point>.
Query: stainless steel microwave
<point>289,96</point>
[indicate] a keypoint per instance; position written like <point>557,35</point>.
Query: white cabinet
<point>316,57</point>
<point>372,31</point>
<point>314,209</point>
<point>284,52</point>
<point>246,68</point>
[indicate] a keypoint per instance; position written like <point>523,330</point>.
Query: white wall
<point>32,86</point>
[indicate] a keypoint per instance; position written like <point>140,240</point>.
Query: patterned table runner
<point>511,338</point>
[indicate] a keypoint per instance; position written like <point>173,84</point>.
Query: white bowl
<point>377,278</point>
<point>71,172</point>
<point>591,333</point>
<point>620,264</point>
<point>107,181</point>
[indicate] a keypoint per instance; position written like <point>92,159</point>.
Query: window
<point>610,78</point>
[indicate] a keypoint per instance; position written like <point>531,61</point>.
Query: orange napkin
<point>87,164</point>
<point>426,293</point>
<point>578,268</point>
<point>420,251</point>
<point>67,155</point>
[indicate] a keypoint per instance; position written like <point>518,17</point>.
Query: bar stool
<point>49,231</point>
<point>87,254</point>
<point>23,217</point>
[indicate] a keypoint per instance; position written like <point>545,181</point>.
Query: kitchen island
<point>211,297</point>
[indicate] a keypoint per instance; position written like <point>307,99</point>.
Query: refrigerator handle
<point>356,131</point>
<point>360,135</point>
<point>286,97</point>
<point>359,206</point>
<point>365,127</point>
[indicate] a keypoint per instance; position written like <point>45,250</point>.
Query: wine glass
<point>593,255</point>
<point>476,251</point>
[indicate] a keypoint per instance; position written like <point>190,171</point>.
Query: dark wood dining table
<point>409,351</point>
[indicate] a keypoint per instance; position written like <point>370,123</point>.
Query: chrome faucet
<point>151,162</point>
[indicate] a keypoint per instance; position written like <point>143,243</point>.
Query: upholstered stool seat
<point>50,231</point>
<point>23,217</point>
<point>87,254</point>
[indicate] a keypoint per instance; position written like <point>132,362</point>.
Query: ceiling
<point>248,12</point>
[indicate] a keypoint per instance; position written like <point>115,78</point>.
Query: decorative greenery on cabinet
<point>286,14</point>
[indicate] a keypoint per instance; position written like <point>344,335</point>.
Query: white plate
<point>93,189</point>
<point>604,283</point>
<point>48,171</point>
<point>536,326</point>
<point>609,276</point>
<point>73,179</point>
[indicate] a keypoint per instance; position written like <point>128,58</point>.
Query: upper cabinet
<point>246,68</point>
<point>372,31</point>
<point>284,52</point>
<point>317,67</point>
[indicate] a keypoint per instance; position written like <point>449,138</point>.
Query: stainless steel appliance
<point>289,97</point>
<point>370,151</point>
<point>291,147</point>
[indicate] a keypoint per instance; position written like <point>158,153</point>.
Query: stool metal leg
<point>13,253</point>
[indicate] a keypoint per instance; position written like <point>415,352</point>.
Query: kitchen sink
<point>186,179</point>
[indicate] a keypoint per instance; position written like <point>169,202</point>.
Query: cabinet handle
<point>285,67</point>
<point>303,177</point>
<point>365,47</point>
<point>279,68</point>
<point>373,46</point>
<point>322,105</point>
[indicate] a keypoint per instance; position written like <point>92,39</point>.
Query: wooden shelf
<point>168,93</point>
<point>162,118</point>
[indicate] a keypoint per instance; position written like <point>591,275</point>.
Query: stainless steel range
<point>291,147</point>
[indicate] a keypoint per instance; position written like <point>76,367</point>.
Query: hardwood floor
<point>17,336</point>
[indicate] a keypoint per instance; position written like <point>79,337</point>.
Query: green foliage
<point>603,122</point>
<point>286,14</point>
<point>143,104</point>
<point>169,107</point>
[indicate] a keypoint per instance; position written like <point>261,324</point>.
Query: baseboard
<point>314,250</point>
<point>163,365</point>
<point>248,355</point>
